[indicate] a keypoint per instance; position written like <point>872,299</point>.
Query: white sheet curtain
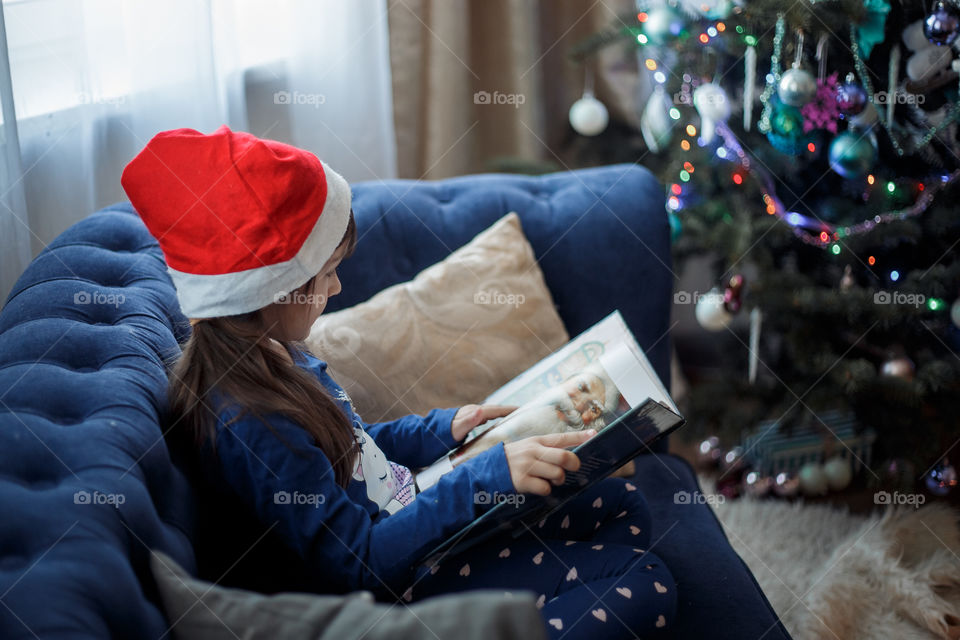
<point>84,84</point>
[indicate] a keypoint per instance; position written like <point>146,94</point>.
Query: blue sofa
<point>87,483</point>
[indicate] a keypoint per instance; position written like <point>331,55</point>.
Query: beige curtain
<point>443,52</point>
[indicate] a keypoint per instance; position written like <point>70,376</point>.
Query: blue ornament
<point>786,130</point>
<point>676,227</point>
<point>853,154</point>
<point>851,98</point>
<point>942,25</point>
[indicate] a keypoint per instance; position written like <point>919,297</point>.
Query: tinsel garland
<point>819,232</point>
<point>763,126</point>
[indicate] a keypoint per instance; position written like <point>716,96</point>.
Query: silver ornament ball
<point>797,87</point>
<point>813,479</point>
<point>838,472</point>
<point>898,367</point>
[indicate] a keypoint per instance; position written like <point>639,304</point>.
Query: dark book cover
<point>621,441</point>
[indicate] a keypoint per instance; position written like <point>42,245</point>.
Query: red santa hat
<point>241,220</point>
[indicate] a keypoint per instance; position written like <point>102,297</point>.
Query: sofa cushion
<point>600,236</point>
<point>199,610</point>
<point>458,331</point>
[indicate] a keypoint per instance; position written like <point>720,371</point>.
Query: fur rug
<point>833,575</point>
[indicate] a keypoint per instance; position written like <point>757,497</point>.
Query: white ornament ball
<point>711,101</point>
<point>955,313</point>
<point>813,479</point>
<point>713,106</point>
<point>588,116</point>
<point>663,24</point>
<point>838,472</point>
<point>710,312</point>
<point>913,37</point>
<point>926,64</point>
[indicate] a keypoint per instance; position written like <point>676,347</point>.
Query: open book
<point>602,380</point>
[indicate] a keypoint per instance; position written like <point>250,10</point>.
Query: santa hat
<point>241,220</point>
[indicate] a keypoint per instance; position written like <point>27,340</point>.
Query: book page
<point>587,399</point>
<point>579,353</point>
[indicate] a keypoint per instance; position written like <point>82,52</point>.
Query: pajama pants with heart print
<point>587,564</point>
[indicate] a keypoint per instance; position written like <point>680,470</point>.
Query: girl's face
<point>292,318</point>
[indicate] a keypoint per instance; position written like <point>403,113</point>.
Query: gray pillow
<point>198,609</point>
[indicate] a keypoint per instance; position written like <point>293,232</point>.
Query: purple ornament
<point>942,479</point>
<point>821,112</point>
<point>942,24</point>
<point>851,98</point>
<point>732,294</point>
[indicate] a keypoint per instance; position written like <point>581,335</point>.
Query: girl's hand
<point>537,462</point>
<point>473,415</point>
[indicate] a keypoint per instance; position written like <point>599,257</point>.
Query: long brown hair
<point>231,354</point>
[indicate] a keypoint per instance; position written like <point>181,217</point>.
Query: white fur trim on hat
<point>227,294</point>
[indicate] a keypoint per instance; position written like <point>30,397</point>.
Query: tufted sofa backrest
<point>601,237</point>
<point>87,485</point>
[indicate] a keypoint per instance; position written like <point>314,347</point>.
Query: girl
<point>298,493</point>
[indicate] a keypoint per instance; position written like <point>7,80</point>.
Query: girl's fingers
<point>547,471</point>
<point>491,411</point>
<point>561,440</point>
<point>567,439</point>
<point>537,486</point>
<point>558,457</point>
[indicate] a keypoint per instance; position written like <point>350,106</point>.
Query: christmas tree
<point>814,146</point>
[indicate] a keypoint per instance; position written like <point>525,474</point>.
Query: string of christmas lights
<point>810,230</point>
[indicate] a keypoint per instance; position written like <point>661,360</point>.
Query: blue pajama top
<point>369,534</point>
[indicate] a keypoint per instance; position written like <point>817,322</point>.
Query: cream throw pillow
<point>453,335</point>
